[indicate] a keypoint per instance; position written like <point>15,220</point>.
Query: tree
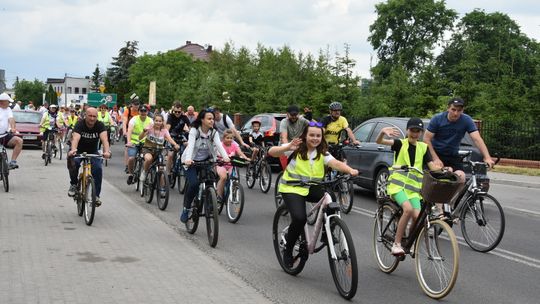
<point>97,79</point>
<point>26,90</point>
<point>118,74</point>
<point>51,96</point>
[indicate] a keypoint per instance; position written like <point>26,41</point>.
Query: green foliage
<point>26,90</point>
<point>50,95</point>
<point>96,79</point>
<point>118,74</point>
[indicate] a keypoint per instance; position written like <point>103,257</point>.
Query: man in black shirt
<point>178,125</point>
<point>86,136</point>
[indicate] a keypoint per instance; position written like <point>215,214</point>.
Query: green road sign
<point>97,99</point>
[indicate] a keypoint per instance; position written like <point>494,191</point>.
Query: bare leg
<point>17,144</point>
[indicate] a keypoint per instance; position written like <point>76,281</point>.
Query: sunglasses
<point>209,109</point>
<point>315,124</point>
<point>177,112</point>
<point>143,110</point>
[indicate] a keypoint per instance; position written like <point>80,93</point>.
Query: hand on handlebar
<point>438,163</point>
<point>489,161</point>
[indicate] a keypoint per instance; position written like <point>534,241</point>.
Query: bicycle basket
<point>439,187</point>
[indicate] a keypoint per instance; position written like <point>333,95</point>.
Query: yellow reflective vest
<point>410,182</point>
<point>47,121</point>
<point>106,120</point>
<point>301,170</point>
<point>72,121</point>
<point>138,128</point>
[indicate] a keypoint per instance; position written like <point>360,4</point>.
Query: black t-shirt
<point>177,124</point>
<point>396,147</point>
<point>89,136</point>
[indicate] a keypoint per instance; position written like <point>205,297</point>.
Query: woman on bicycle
<point>308,159</point>
<point>156,135</point>
<point>232,149</point>
<point>203,142</point>
<point>404,187</point>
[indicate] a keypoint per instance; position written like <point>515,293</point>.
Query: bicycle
<point>139,160</point>
<point>157,180</point>
<point>233,195</point>
<point>4,166</point>
<point>435,244</point>
<point>345,189</point>
<point>481,215</point>
<point>177,171</point>
<point>85,195</point>
<point>205,203</point>
<point>50,148</point>
<point>335,236</point>
<point>260,169</point>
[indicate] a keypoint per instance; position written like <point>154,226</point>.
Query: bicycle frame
<point>322,219</point>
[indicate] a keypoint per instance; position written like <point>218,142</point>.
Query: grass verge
<point>517,170</point>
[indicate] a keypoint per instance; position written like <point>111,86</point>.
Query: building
<point>196,50</point>
<point>70,90</point>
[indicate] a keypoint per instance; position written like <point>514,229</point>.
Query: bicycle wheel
<point>384,231</point>
<point>193,219</point>
<point>250,175</point>
<point>162,190</point>
<point>47,152</point>
<point>172,179</point>
<point>60,147</point>
<point>89,201</point>
<point>265,177</point>
<point>280,227</point>
<point>277,195</point>
<point>345,267</point>
<point>235,202</point>
<point>211,215</point>
<point>137,173</point>
<point>149,186</point>
<point>182,181</point>
<point>345,196</point>
<point>79,199</point>
<point>4,172</point>
<point>437,259</point>
<point>482,222</point>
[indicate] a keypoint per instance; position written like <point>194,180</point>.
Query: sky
<point>52,38</point>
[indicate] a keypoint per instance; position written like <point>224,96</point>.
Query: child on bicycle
<point>232,149</point>
<point>256,138</point>
<point>308,158</point>
<point>156,135</point>
<point>404,187</point>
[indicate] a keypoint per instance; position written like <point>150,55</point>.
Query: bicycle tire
<point>172,179</point>
<point>137,173</point>
<point>4,171</point>
<point>182,181</point>
<point>47,152</point>
<point>60,148</point>
<point>148,186</point>
<point>278,199</point>
<point>386,218</point>
<point>89,201</point>
<point>162,190</point>
<point>280,226</point>
<point>193,219</point>
<point>345,268</point>
<point>211,216</point>
<point>345,196</point>
<point>477,214</point>
<point>265,177</point>
<point>441,254</point>
<point>250,175</point>
<point>235,202</point>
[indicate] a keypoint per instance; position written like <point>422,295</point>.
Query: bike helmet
<point>255,121</point>
<point>335,106</point>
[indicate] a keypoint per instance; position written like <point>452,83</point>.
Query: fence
<point>512,139</point>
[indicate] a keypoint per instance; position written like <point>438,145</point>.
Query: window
<point>84,90</point>
<point>69,90</point>
<point>76,90</point>
<point>378,129</point>
<point>363,132</point>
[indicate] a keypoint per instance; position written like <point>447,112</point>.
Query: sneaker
<point>126,170</point>
<point>130,179</point>
<point>13,165</point>
<point>397,250</point>
<point>43,155</point>
<point>288,258</point>
<point>72,190</point>
<point>184,216</point>
<point>97,202</point>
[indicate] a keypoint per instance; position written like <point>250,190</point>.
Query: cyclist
<point>86,135</point>
<point>131,111</point>
<point>191,114</point>
<point>223,122</point>
<point>203,142</point>
<point>7,122</point>
<point>49,121</point>
<point>445,132</point>
<point>155,134</point>
<point>136,126</point>
<point>404,188</point>
<point>255,138</point>
<point>232,149</point>
<point>71,121</point>
<point>334,124</point>
<point>106,119</point>
<point>290,128</point>
<point>308,158</point>
<point>177,125</point>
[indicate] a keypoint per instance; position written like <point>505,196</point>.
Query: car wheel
<point>380,184</point>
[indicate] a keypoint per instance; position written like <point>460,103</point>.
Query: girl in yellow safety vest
<point>308,158</point>
<point>404,187</point>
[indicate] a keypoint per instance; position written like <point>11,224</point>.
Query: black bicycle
<point>344,190</point>
<point>178,172</point>
<point>4,167</point>
<point>139,160</point>
<point>260,169</point>
<point>233,195</point>
<point>205,202</point>
<point>156,181</point>
<point>51,149</point>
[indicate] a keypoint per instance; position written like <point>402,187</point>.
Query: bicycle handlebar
<point>345,177</point>
<point>87,155</point>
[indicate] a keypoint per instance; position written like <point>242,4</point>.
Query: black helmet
<point>335,106</point>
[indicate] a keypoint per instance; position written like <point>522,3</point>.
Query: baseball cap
<point>456,102</point>
<point>293,109</point>
<point>415,123</point>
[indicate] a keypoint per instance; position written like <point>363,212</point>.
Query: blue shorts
<point>132,151</point>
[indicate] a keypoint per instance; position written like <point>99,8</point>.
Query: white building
<point>71,90</point>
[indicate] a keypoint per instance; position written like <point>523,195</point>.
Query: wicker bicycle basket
<point>438,187</point>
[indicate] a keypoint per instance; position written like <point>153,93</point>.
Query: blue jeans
<point>97,172</point>
<point>192,186</point>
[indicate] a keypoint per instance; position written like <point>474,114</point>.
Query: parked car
<point>373,159</point>
<point>270,129</point>
<point>27,122</point>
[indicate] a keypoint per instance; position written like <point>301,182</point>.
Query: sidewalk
<point>515,180</point>
<point>49,255</point>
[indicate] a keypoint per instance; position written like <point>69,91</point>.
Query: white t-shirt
<point>327,158</point>
<point>5,115</point>
<point>220,125</point>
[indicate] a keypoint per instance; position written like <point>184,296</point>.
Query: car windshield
<point>266,123</point>
<point>27,117</point>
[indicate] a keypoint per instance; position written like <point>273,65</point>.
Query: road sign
<point>97,99</point>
